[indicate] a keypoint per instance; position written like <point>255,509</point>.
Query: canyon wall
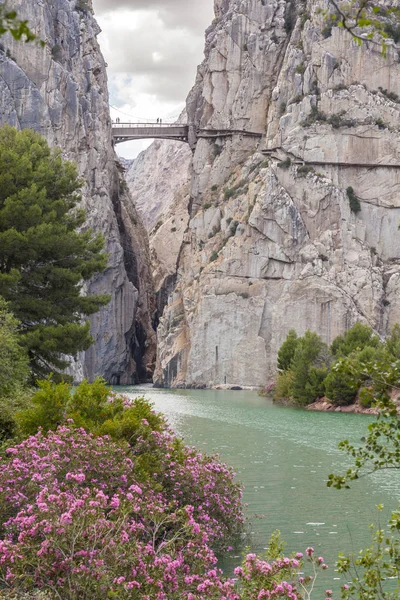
<point>159,182</point>
<point>272,242</point>
<point>61,92</point>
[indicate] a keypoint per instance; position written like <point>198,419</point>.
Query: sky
<point>152,48</point>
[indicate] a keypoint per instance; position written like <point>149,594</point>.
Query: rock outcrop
<point>275,240</point>
<point>61,92</point>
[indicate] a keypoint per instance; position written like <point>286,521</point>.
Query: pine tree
<point>44,257</point>
<point>14,369</point>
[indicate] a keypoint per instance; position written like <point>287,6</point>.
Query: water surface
<point>283,457</point>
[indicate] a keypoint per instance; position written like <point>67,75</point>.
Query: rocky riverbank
<point>324,405</point>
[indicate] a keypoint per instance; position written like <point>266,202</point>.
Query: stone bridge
<point>124,132</point>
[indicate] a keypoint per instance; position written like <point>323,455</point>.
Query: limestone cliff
<point>61,92</point>
<point>272,242</point>
<point>159,182</point>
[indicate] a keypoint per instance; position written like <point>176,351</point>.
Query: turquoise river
<point>283,456</point>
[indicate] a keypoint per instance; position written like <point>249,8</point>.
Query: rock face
<point>272,242</point>
<point>159,182</point>
<point>61,92</point>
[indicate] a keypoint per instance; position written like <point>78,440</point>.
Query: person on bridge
<point>158,120</point>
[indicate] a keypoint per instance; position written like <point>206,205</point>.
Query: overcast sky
<point>152,48</point>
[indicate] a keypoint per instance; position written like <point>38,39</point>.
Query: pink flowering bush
<point>184,476</point>
<point>92,545</point>
<point>107,502</point>
<point>275,575</point>
<point>189,477</point>
<point>75,517</point>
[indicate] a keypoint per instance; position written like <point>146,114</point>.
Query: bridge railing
<point>146,125</point>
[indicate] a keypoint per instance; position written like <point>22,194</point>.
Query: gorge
<point>248,236</point>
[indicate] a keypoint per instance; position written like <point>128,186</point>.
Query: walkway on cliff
<point>123,132</point>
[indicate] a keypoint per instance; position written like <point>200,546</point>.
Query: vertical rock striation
<point>159,181</point>
<point>272,243</point>
<point>61,92</point>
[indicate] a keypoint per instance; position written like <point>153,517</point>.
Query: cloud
<point>191,14</point>
<point>152,48</point>
<point>139,44</point>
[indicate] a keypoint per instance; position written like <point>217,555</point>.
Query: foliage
<point>77,524</point>
<point>44,259</point>
<point>284,386</point>
<point>376,568</point>
<point>17,400</point>
<point>287,350</point>
<point>275,575</point>
<point>10,23</point>
<point>393,341</point>
<point>308,370</point>
<point>341,387</point>
<point>214,256</point>
<point>285,164</point>
<point>92,406</point>
<point>309,352</point>
<point>303,362</point>
<point>14,372</point>
<point>354,201</point>
<point>235,191</point>
<point>76,519</point>
<point>304,170</point>
<point>315,386</point>
<point>363,19</point>
<point>356,338</point>
<point>380,449</point>
<point>95,409</point>
<point>14,368</point>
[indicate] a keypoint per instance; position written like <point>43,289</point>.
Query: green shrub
<point>287,350</point>
<point>314,117</point>
<point>82,6</point>
<point>365,398</point>
<point>390,95</point>
<point>355,205</point>
<point>315,386</point>
<point>393,341</point>
<point>304,170</point>
<point>14,369</point>
<point>310,352</point>
<point>236,190</point>
<point>213,256</point>
<point>48,408</point>
<point>284,386</point>
<point>358,337</point>
<point>304,18</point>
<point>341,387</point>
<point>9,406</point>
<point>285,164</point>
<point>92,406</point>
